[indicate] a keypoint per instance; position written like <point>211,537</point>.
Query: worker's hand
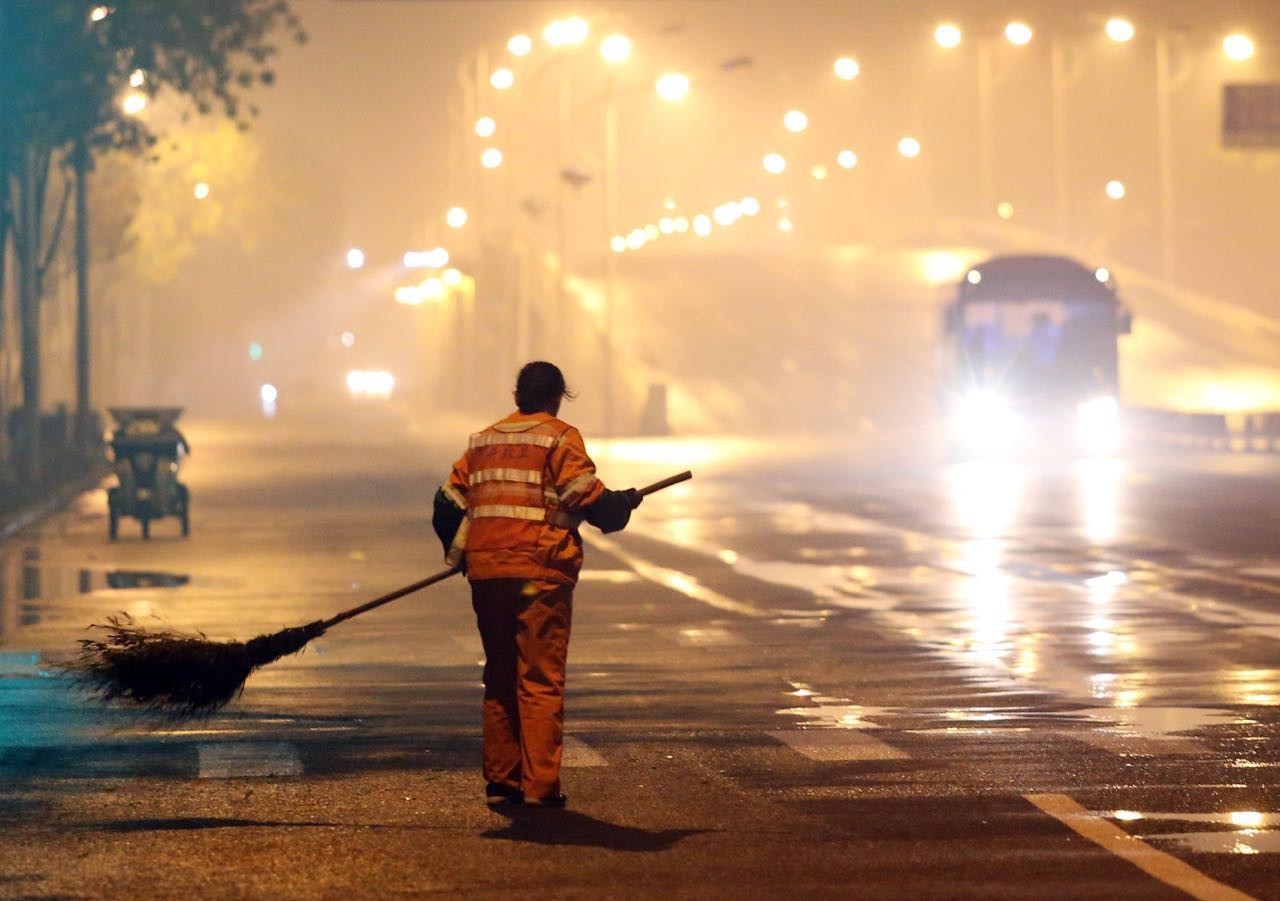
<point>635,497</point>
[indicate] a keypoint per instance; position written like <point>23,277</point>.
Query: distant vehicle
<point>146,449</point>
<point>1029,356</point>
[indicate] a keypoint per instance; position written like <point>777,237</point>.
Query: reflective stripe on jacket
<point>523,483</point>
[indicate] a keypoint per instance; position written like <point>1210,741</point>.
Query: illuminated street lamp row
<point>701,225</point>
<point>1237,46</point>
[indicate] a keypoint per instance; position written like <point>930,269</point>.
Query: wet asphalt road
<point>807,673</point>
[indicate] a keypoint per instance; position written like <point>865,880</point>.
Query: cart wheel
<point>186,511</point>
<point>146,527</point>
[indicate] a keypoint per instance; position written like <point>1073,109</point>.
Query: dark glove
<point>635,497</point>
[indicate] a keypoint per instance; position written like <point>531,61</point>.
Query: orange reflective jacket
<point>523,482</point>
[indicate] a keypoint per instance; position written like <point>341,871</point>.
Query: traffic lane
<point>686,745</point>
<point>680,644</point>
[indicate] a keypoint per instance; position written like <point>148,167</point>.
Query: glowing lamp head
<point>775,163</point>
<point>1018,33</point>
<point>456,217</point>
<point>491,158</point>
<point>520,45</point>
<point>947,36</point>
<point>847,159</point>
<point>672,87</point>
<point>502,79</point>
<point>1116,189</point>
<point>1238,47</point>
<point>795,121</point>
<point>1120,30</point>
<point>909,148</point>
<point>616,48</point>
<point>847,68</point>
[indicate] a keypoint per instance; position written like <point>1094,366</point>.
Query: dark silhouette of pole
<point>29,309</point>
<point>80,160</point>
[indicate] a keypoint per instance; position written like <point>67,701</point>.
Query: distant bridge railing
<point>1237,432</point>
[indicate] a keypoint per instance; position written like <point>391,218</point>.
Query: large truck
<point>1029,356</point>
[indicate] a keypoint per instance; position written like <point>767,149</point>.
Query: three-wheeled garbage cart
<point>147,451</point>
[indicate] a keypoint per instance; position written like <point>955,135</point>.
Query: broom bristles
<point>174,674</point>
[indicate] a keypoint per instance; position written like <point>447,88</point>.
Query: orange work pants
<point>524,625</point>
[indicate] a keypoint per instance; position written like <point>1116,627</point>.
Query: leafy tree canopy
<point>65,65</point>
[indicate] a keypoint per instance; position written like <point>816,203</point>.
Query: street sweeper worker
<point>509,514</point>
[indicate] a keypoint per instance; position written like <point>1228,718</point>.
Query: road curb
<point>62,496</point>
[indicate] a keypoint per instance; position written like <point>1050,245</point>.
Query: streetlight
<point>847,159</point>
<point>795,121</point>
<point>673,87</point>
<point>847,68</point>
<point>947,35</point>
<point>520,45</point>
<point>502,79</point>
<point>485,126</point>
<point>616,48</point>
<point>909,147</point>
<point>134,103</point>
<point>1238,47</point>
<point>201,190</point>
<point>1116,189</point>
<point>1120,30</point>
<point>775,163</point>
<point>355,258</point>
<point>137,78</point>
<point>566,32</point>
<point>456,217</point>
<point>491,158</point>
<point>1018,33</point>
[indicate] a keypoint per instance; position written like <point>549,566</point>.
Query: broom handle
<point>388,598</point>
<point>446,573</point>
<point>665,483</point>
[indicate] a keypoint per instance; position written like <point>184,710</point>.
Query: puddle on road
<point>1243,842</point>
<point>25,576</point>
<point>1249,837</point>
<point>1158,723</point>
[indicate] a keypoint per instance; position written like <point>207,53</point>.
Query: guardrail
<point>1234,432</point>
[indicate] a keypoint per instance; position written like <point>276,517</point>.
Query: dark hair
<point>539,385</point>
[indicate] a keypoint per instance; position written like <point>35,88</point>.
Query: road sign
<point>1251,115</point>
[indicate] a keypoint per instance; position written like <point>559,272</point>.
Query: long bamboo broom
<point>184,676</point>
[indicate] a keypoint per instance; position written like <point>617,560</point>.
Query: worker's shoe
<point>560,799</point>
<point>496,794</point>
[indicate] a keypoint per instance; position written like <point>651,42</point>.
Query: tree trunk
<point>27,238</point>
<point>80,159</point>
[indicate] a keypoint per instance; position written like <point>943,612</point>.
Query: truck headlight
<point>1098,423</point>
<point>984,421</point>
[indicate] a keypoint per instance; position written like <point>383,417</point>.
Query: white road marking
<point>237,760</point>
<point>1164,867</point>
<point>615,576</point>
<point>577,753</point>
<point>711,636</point>
<point>838,744</point>
<point>676,580</point>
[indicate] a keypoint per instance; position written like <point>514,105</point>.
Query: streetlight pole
<point>610,258</point>
<point>1164,126</point>
<point>986,126</point>
<point>1063,75</point>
